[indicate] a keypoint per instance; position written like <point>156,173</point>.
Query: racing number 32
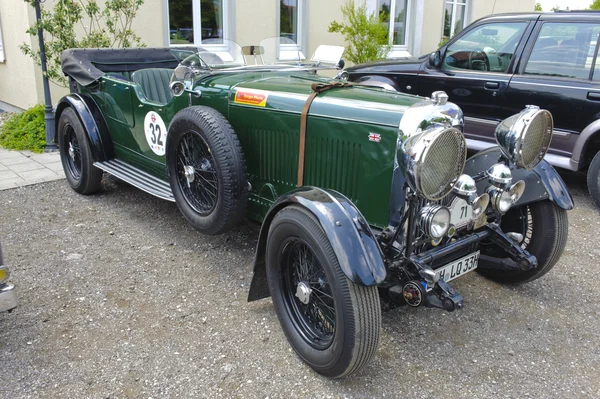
<point>156,134</point>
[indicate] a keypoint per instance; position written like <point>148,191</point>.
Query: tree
<point>366,35</point>
<point>595,5</point>
<point>103,27</point>
<point>538,7</point>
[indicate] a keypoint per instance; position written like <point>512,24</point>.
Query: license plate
<point>461,213</point>
<point>459,267</point>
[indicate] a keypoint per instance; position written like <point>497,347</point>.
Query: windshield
<point>275,53</point>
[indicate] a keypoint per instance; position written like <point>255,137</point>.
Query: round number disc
<point>156,132</point>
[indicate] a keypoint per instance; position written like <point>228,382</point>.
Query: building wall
<point>17,82</point>
<point>253,20</point>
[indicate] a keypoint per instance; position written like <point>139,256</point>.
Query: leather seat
<point>154,83</point>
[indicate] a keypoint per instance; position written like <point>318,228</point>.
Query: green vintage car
<point>366,196</point>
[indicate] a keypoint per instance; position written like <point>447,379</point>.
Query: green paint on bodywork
<point>339,153</point>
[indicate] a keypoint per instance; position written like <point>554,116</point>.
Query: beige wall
<point>320,15</point>
<point>253,20</point>
<point>149,23</point>
<point>17,84</point>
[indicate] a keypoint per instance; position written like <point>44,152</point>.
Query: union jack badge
<point>376,137</point>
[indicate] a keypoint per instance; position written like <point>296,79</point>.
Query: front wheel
<point>593,179</point>
<point>332,323</point>
<point>206,169</point>
<point>544,226</point>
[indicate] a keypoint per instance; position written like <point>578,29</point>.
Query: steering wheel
<point>479,61</point>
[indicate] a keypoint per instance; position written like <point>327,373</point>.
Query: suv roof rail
<point>582,11</point>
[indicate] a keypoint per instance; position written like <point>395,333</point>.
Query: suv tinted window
<point>488,47</point>
<point>564,50</point>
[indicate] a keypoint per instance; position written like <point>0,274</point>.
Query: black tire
<point>593,179</point>
<point>544,226</point>
<point>336,332</point>
<point>202,141</point>
<point>76,154</point>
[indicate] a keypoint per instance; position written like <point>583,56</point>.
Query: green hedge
<point>25,130</point>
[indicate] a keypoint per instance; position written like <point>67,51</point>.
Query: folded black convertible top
<point>88,65</point>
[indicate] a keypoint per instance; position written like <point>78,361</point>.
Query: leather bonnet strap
<point>317,88</point>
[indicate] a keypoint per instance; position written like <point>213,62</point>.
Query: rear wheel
<point>593,179</point>
<point>544,226</point>
<point>332,323</point>
<point>76,154</point>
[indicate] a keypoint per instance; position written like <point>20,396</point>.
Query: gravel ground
<point>119,297</point>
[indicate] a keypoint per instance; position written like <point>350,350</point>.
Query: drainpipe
<point>49,114</point>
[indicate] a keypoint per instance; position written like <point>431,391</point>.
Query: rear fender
<point>353,242</point>
<point>93,123</point>
<point>543,182</point>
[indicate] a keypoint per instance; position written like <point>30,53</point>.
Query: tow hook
<point>443,296</point>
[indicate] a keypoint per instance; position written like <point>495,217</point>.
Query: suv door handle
<point>492,85</point>
<point>593,96</point>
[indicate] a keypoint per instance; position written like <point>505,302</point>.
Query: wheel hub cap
<point>303,292</point>
<point>71,151</point>
<point>189,174</point>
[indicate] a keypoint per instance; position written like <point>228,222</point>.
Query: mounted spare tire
<point>206,169</point>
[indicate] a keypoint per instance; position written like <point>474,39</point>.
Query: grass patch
<point>25,130</point>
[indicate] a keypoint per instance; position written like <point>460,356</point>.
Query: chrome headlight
<point>501,200</point>
<point>435,221</point>
<point>480,204</point>
<point>433,160</point>
<point>516,191</point>
<point>499,175</point>
<point>525,137</point>
<point>465,188</point>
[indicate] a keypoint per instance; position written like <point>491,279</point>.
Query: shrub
<point>366,35</point>
<point>25,130</point>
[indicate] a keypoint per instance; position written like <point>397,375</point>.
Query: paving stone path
<point>22,168</point>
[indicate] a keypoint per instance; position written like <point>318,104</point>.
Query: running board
<point>137,178</point>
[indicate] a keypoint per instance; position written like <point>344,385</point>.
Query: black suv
<point>501,63</point>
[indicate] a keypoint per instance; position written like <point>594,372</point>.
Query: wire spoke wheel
<point>206,169</point>
<point>76,154</point>
<point>307,293</point>
<point>196,173</point>
<point>332,323</point>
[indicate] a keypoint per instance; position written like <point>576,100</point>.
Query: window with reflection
<point>196,21</point>
<point>564,50</point>
<point>288,19</point>
<point>455,13</point>
<point>291,28</point>
<point>394,15</point>
<point>489,47</point>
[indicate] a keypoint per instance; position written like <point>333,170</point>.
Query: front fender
<point>93,122</point>
<point>543,182</point>
<point>352,240</point>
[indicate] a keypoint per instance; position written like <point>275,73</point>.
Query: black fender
<point>353,242</point>
<point>93,122</point>
<point>543,182</point>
